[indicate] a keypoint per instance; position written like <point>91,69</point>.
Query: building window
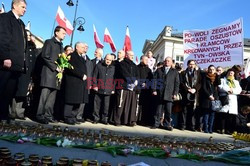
<point>182,59</point>
<point>177,58</point>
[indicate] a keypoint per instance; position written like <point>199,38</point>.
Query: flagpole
<point>74,24</point>
<point>52,32</point>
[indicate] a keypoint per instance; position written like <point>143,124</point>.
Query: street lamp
<point>77,21</point>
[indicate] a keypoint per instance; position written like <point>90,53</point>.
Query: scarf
<point>211,77</point>
<point>191,80</point>
<point>230,81</point>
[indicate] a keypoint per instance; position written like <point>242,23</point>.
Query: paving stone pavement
<point>57,152</point>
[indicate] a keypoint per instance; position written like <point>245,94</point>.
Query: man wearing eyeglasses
<point>189,88</point>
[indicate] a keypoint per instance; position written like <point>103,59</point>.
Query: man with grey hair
<point>98,56</point>
<point>84,111</point>
<point>167,92</point>
<point>104,87</point>
<point>76,92</point>
<point>127,99</point>
<point>13,40</point>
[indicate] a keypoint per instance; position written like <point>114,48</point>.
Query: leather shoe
<point>132,124</point>
<point>105,122</point>
<point>192,129</point>
<point>182,128</point>
<point>70,122</point>
<point>42,121</point>
<point>52,121</point>
<point>89,120</point>
<point>117,124</point>
<point>21,118</point>
<point>80,120</point>
<point>170,128</point>
<point>95,122</point>
<point>153,127</point>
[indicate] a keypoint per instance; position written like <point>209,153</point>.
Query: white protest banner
<point>220,46</point>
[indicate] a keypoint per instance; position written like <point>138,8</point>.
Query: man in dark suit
<point>98,57</point>
<point>49,83</point>
<point>189,88</point>
<point>84,111</point>
<point>13,41</point>
<point>76,91</point>
<point>167,92</point>
<point>90,106</point>
<point>104,87</point>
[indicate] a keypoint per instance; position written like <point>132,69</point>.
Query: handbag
<point>178,97</point>
<point>216,105</point>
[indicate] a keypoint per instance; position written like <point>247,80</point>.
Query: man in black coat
<point>167,92</point>
<point>104,87</point>
<point>85,109</point>
<point>76,91</point>
<point>21,102</point>
<point>88,109</point>
<point>13,41</point>
<point>189,89</point>
<point>49,83</point>
<point>144,90</point>
<point>127,72</point>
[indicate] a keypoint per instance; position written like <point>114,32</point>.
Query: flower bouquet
<point>62,62</point>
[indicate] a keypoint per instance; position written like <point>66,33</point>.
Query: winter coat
<point>232,107</point>
<point>76,91</point>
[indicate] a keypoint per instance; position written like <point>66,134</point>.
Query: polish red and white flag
<point>63,21</point>
<point>98,43</point>
<point>127,42</point>
<point>108,39</point>
<point>2,10</point>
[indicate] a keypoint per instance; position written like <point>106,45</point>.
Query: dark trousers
<point>164,108</point>
<point>70,111</point>
<point>101,101</point>
<point>145,115</point>
<point>199,118</point>
<point>8,87</point>
<point>80,111</point>
<point>158,115</point>
<point>88,110</point>
<point>18,107</point>
<point>46,103</point>
<point>227,121</point>
<point>188,116</point>
<point>126,106</point>
<point>208,121</point>
<point>167,113</point>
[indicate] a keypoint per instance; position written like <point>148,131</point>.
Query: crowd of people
<point>113,89</point>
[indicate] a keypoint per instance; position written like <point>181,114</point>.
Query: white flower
<point>58,143</point>
<point>66,142</point>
